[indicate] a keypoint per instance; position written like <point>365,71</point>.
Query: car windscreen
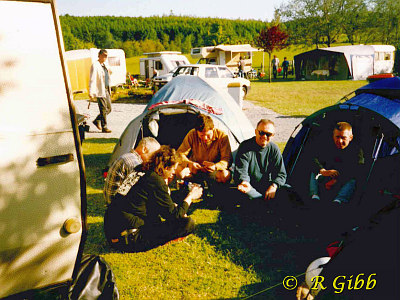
<point>225,73</point>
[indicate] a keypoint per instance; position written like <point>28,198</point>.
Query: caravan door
<point>362,66</point>
<point>42,181</point>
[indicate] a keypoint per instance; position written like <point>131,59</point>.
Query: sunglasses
<point>262,133</point>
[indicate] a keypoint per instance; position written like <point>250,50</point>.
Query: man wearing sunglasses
<point>259,168</point>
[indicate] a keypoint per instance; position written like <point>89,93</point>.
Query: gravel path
<point>123,113</point>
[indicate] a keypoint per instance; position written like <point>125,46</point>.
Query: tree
<point>319,19</point>
<point>272,39</point>
<point>388,20</point>
<point>354,20</point>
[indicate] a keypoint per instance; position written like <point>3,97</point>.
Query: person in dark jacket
<point>133,223</point>
<point>337,164</point>
<point>259,167</point>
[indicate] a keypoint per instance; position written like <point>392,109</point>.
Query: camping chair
<point>134,81</point>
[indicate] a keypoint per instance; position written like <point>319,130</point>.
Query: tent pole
<point>377,148</point>
<point>300,150</point>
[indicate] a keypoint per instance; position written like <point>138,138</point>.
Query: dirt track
<point>123,113</point>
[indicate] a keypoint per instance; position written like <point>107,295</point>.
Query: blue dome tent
<point>170,115</point>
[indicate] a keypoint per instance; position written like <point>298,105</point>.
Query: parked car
<point>161,80</point>
<point>218,75</point>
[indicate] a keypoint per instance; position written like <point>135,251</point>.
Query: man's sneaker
<point>337,201</point>
<point>315,197</point>
<point>97,124</point>
<point>106,130</point>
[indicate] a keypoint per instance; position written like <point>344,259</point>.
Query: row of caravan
<point>163,62</point>
<point>355,62</point>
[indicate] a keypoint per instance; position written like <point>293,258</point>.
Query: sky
<point>232,9</point>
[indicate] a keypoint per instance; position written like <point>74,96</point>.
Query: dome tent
<point>171,112</point>
<point>374,113</point>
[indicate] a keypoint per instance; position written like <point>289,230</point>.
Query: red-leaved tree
<point>272,39</point>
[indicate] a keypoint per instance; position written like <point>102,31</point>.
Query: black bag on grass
<point>95,280</point>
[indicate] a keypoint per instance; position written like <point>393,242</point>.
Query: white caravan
<point>160,63</point>
<point>228,55</point>
<point>42,176</point>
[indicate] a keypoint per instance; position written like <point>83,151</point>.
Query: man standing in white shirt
<point>99,87</point>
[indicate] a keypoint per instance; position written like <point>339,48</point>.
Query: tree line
<point>324,22</point>
<point>136,35</point>
<point>308,22</point>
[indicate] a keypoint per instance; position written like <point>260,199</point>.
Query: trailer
<point>42,174</point>
<point>228,55</point>
<point>79,63</point>
<point>160,63</point>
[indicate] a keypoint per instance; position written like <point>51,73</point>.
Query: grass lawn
<point>228,256</point>
<point>300,98</point>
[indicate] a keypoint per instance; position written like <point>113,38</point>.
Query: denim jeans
<point>345,193</point>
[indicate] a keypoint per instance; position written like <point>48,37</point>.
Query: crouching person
<point>336,166</point>
<point>259,167</point>
<point>132,221</point>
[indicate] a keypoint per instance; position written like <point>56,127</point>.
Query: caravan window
<point>383,56</point>
<point>195,50</point>
<point>388,56</point>
<point>114,61</point>
<point>158,65</point>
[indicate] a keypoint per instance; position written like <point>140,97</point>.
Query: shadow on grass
<point>96,241</point>
<point>95,163</point>
<point>262,245</point>
<point>96,205</point>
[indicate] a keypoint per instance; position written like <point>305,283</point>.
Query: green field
<point>300,98</point>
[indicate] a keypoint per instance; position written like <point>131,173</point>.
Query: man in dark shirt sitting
<point>337,165</point>
<point>259,168</point>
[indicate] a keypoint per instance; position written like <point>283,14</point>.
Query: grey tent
<point>344,62</point>
<point>171,112</point>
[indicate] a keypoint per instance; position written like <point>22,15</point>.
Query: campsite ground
<point>230,256</point>
<point>123,113</point>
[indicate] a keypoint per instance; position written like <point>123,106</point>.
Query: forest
<point>318,23</point>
